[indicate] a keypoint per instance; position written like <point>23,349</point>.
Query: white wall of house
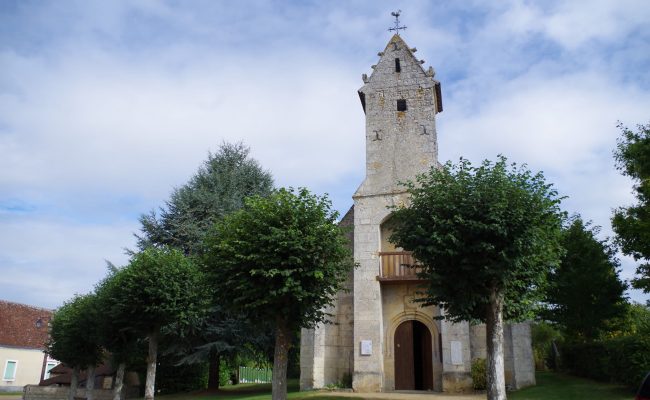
<point>19,367</point>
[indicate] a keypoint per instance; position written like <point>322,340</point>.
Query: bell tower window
<point>401,105</point>
<point>398,67</point>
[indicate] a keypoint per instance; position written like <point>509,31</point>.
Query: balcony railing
<point>397,266</point>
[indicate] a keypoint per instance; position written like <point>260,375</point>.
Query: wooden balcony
<point>397,266</point>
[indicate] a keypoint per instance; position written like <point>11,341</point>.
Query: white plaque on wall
<point>366,347</point>
<point>456,352</point>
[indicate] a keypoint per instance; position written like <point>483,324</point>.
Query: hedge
<point>624,360</point>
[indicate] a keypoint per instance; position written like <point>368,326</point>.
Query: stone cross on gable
<point>397,27</point>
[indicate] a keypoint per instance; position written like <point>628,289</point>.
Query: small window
<point>401,105</point>
<point>48,367</point>
<point>10,370</point>
<point>398,67</point>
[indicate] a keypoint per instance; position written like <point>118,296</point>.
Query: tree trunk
<point>496,382</point>
<point>280,360</point>
<point>90,382</point>
<point>119,381</point>
<point>151,366</point>
<point>213,373</point>
<point>74,383</point>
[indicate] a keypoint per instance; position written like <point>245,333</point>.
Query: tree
<point>632,224</point>
<point>160,287</point>
<point>486,237</point>
<point>280,259</point>
<point>585,294</point>
<point>218,188</point>
<point>636,320</point>
<point>117,334</point>
<point>74,339</point>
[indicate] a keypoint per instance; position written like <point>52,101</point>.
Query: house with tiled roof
<point>23,335</point>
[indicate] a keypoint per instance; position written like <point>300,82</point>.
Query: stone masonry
<point>400,100</point>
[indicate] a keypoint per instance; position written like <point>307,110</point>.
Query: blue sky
<point>106,106</point>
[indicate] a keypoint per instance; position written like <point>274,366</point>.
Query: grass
<point>250,391</point>
<point>550,386</point>
<point>557,386</point>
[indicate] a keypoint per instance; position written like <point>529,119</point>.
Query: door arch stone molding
<point>404,316</point>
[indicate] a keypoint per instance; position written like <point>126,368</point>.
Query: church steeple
<point>400,99</point>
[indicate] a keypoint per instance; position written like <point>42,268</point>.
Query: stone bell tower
<point>400,100</point>
<point>378,339</point>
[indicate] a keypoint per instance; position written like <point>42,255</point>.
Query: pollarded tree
<point>160,287</point>
<point>585,294</point>
<point>486,237</point>
<point>117,334</point>
<point>280,259</point>
<point>74,339</point>
<point>632,224</point>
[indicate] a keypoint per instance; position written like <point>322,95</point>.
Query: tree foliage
<point>485,237</point>
<point>74,337</point>
<point>117,333</point>
<point>160,289</point>
<point>479,228</point>
<point>218,188</point>
<point>280,259</point>
<point>586,296</point>
<point>282,255</point>
<point>632,224</point>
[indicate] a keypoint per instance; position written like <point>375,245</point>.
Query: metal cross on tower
<point>397,28</point>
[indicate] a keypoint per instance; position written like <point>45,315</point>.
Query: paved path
<point>406,395</point>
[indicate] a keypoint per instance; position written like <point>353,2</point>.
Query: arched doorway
<point>413,357</point>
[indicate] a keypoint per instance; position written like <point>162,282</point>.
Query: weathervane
<point>397,28</point>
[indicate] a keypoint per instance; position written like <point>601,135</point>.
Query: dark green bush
<point>172,378</point>
<point>623,360</point>
<point>479,374</point>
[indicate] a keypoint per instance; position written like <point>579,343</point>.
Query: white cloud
<point>105,107</point>
<point>575,23</point>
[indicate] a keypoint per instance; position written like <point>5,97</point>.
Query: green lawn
<point>249,391</point>
<point>550,386</point>
<point>557,386</point>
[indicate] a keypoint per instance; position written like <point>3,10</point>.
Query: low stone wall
<point>35,392</point>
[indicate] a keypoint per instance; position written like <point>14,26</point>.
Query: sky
<point>106,106</point>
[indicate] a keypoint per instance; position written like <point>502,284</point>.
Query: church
<point>377,337</point>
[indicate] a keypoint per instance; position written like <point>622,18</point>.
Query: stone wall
<point>523,361</point>
<point>35,392</point>
<point>326,351</point>
<point>456,375</point>
<point>519,364</point>
<point>399,144</point>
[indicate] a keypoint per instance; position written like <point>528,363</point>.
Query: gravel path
<point>405,395</point>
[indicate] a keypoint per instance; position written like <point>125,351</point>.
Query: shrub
<point>543,336</point>
<point>171,378</point>
<point>623,360</point>
<point>479,374</point>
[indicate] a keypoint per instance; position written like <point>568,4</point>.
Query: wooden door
<point>427,358</point>
<point>404,373</point>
